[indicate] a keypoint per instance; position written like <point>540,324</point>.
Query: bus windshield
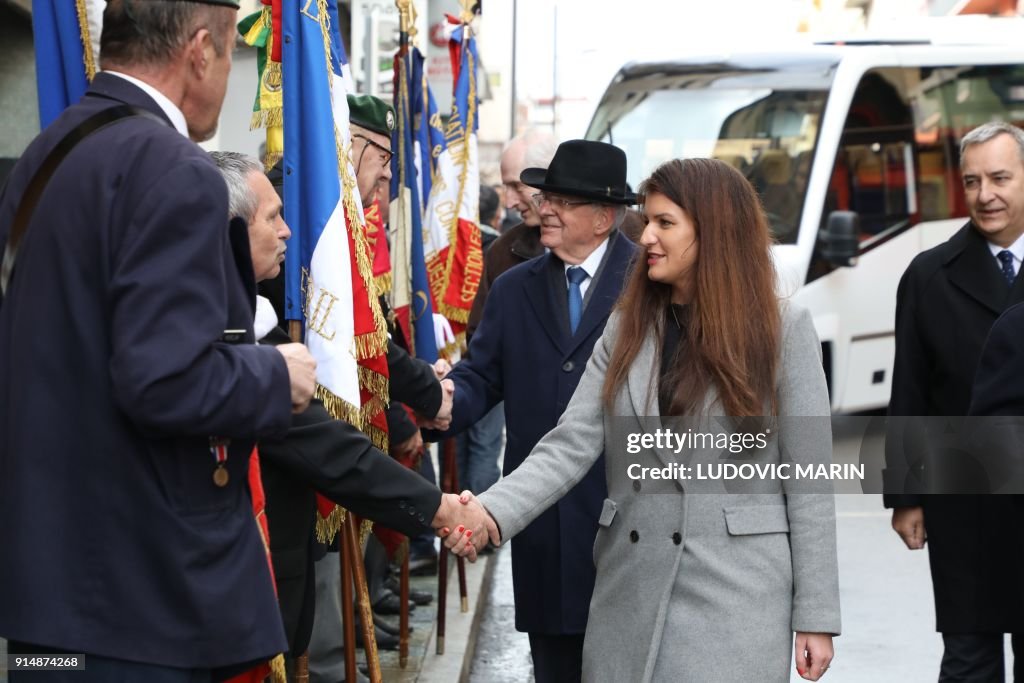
<point>762,120</point>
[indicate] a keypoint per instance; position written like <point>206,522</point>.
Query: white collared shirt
<point>590,266</point>
<point>165,104</point>
<point>1017,249</point>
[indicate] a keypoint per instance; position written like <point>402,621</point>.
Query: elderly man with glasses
<point>540,323</point>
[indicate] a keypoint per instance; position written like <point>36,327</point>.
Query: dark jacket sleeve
<point>412,382</point>
<point>478,377</point>
<point>476,313</point>
<point>1001,358</point>
<point>909,389</point>
<point>341,463</point>
<point>400,427</point>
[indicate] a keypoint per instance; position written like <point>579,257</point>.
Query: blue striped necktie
<point>576,276</point>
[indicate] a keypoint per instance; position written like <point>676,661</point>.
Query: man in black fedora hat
<point>540,323</point>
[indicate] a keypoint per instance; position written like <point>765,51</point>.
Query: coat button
<point>677,538</point>
<point>567,366</point>
<point>634,536</point>
<point>636,484</point>
<point>401,505</point>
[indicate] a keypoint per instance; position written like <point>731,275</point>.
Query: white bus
<point>854,149</point>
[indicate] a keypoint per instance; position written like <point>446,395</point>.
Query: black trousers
<point>978,658</point>
<point>557,659</point>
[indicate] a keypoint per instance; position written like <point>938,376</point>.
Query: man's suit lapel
<point>541,292</point>
<point>973,270</point>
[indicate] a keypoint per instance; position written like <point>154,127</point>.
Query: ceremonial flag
<point>381,255</point>
<point>328,272</point>
<point>262,30</point>
<point>66,35</point>
<point>427,125</point>
<point>451,236</point>
<point>410,293</point>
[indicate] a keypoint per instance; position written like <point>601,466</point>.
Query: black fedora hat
<point>584,168</point>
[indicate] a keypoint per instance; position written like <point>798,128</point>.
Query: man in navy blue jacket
<point>130,390</point>
<point>540,323</point>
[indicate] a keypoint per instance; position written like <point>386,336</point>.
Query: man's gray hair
<point>235,168</point>
<point>144,32</point>
<point>538,147</point>
<point>987,131</point>
<point>620,213</point>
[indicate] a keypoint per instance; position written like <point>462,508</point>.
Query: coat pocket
<point>756,519</point>
<point>608,510</point>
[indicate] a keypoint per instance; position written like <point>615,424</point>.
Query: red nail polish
<point>460,529</point>
<point>469,533</point>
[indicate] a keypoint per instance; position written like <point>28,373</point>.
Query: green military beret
<point>372,113</point>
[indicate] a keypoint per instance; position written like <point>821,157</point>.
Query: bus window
<point>947,103</point>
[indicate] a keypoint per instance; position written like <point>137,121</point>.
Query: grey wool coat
<point>697,580</point>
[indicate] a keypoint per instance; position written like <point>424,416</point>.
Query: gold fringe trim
<point>267,118</point>
<point>277,670</point>
<point>453,313</point>
<point>88,57</point>
<point>372,344</point>
<point>374,382</point>
<point>270,159</point>
<point>383,282</point>
<point>327,529</point>
<point>378,436</point>
<point>339,408</point>
<point>365,528</point>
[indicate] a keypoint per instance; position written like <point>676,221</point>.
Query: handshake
<point>464,525</point>
<point>443,419</point>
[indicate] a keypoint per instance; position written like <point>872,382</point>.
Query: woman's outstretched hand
<point>464,525</point>
<point>813,654</point>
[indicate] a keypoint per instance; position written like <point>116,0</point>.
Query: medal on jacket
<point>219,450</point>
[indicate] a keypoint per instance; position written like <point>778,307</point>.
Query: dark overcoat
<point>523,352</point>
<point>114,372</point>
<point>947,301</point>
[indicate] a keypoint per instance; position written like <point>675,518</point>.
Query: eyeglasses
<point>381,148</point>
<point>557,202</point>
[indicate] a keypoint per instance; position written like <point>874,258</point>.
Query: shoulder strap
<point>35,187</point>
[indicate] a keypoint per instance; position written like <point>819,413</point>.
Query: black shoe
<point>388,627</point>
<point>385,641</point>
<point>418,597</point>
<point>423,566</point>
<point>390,604</point>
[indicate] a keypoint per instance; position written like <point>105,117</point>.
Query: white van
<point>822,131</point>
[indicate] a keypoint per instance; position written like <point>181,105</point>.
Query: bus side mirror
<point>839,239</point>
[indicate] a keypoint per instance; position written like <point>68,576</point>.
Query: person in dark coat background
<point>531,349</point>
<point>948,299</point>
<point>127,362</point>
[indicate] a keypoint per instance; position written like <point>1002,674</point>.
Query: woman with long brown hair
<point>700,365</point>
